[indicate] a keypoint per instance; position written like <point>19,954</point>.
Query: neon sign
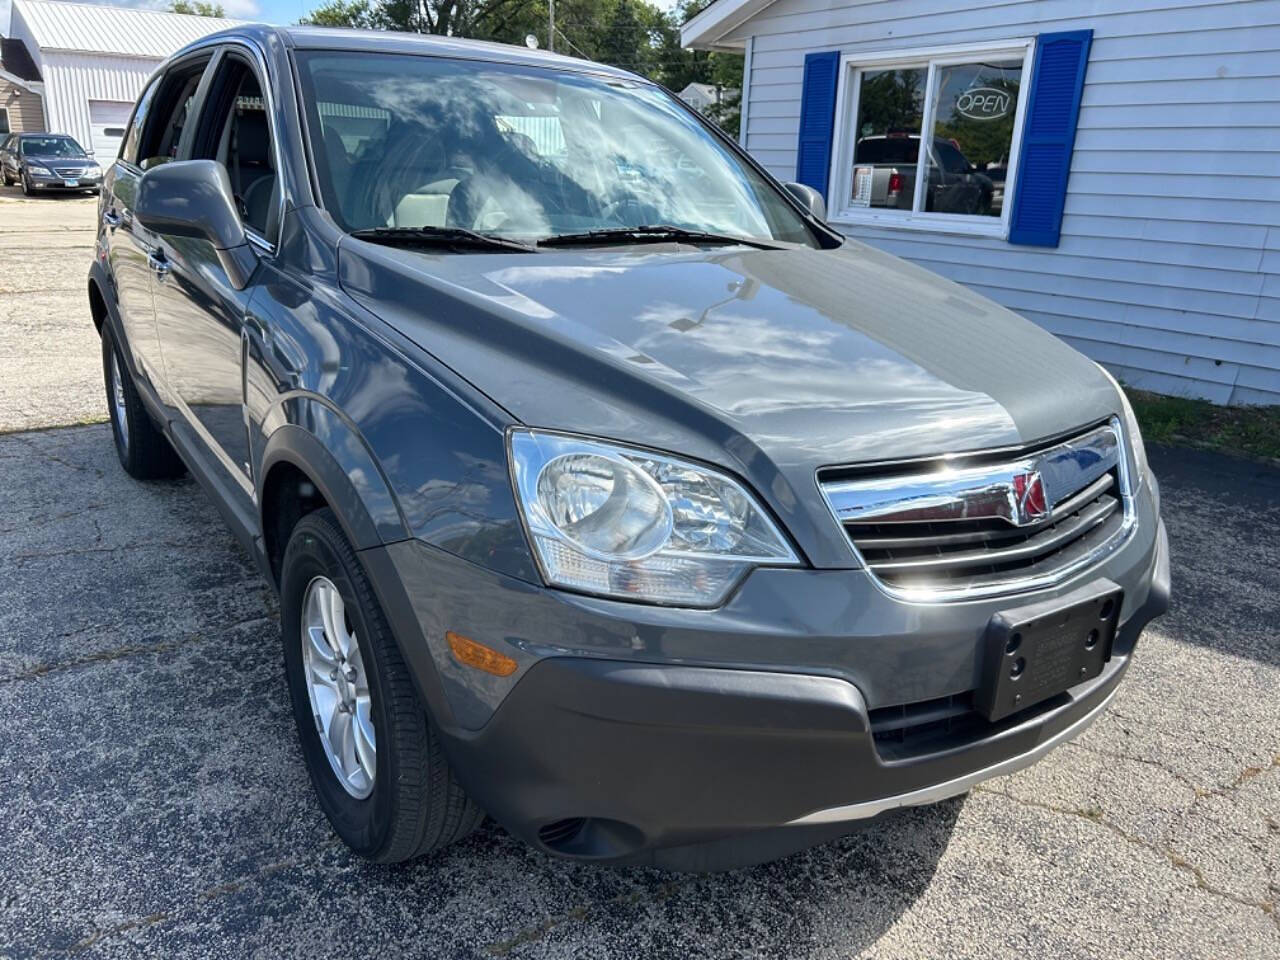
<point>984,103</point>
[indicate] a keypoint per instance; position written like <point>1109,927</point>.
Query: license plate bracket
<point>1034,652</point>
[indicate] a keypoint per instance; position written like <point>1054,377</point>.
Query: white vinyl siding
<point>1169,265</point>
<point>72,80</point>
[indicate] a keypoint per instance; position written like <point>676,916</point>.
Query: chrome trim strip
<point>1014,584</point>
<point>1038,544</point>
<point>1002,490</point>
<point>952,788</point>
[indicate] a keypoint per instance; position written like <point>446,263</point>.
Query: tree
<point>196,8</point>
<point>344,13</point>
<point>625,43</point>
<point>633,34</point>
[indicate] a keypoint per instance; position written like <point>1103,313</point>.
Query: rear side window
<point>888,149</point>
<point>129,150</point>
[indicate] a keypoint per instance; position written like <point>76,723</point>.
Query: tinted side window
<point>129,149</point>
<point>167,116</point>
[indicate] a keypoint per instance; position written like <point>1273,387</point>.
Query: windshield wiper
<point>457,238</point>
<point>651,233</point>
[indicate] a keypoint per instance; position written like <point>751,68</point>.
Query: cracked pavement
<point>155,801</point>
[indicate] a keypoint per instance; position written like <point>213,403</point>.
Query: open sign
<point>984,103</point>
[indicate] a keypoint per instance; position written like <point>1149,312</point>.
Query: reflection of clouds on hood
<point>533,276</point>
<point>756,338</point>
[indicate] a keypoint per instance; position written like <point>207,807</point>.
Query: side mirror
<point>810,199</point>
<point>192,198</point>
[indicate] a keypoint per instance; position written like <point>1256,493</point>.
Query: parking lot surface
<point>155,802</point>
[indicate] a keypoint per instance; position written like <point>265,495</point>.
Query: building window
<point>929,139</point>
<point>4,120</point>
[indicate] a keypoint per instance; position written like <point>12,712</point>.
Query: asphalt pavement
<point>155,803</point>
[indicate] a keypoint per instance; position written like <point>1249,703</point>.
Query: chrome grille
<point>69,172</point>
<point>983,524</point>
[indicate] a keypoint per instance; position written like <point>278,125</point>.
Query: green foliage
<point>1181,421</point>
<point>891,100</point>
<point>344,13</point>
<point>196,8</point>
<point>981,141</point>
<point>632,34</point>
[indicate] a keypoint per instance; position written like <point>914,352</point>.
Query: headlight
<point>1131,430</point>
<point>627,523</point>
<point>39,169</point>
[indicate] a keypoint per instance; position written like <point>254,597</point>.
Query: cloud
<point>242,9</point>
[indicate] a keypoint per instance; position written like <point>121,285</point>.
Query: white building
<point>705,96</point>
<point>1109,170</point>
<point>93,60</point>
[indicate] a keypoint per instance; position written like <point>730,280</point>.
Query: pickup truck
<point>885,176</point>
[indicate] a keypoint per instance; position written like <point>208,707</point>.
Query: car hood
<point>60,161</point>
<point>775,363</point>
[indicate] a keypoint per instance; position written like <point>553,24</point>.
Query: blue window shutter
<point>817,116</point>
<point>1048,135</point>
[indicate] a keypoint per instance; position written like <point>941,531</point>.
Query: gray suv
<point>607,491</point>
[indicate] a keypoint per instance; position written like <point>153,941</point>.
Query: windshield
<point>521,152</point>
<point>50,147</point>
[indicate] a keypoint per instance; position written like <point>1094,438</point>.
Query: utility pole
<point>551,28</point>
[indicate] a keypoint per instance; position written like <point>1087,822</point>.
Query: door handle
<point>159,264</point>
<point>111,219</point>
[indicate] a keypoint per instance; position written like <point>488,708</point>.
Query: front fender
<point>314,438</point>
<point>101,282</point>
<point>309,435</point>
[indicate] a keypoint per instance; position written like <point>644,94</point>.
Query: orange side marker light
<point>471,653</point>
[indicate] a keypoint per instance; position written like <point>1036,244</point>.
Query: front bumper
<point>56,183</point>
<point>616,743</point>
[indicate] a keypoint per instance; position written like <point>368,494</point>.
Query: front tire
<point>376,762</point>
<point>144,452</point>
<point>26,185</point>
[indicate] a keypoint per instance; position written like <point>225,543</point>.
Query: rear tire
<point>412,804</point>
<point>144,452</point>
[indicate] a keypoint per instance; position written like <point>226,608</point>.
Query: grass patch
<point>1179,421</point>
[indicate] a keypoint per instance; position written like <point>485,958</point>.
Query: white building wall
<point>72,80</point>
<point>1169,266</point>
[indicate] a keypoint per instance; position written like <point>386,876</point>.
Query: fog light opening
<point>590,838</point>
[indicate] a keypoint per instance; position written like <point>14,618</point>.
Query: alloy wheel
<point>338,687</point>
<point>118,409</point>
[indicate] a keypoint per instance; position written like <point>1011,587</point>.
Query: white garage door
<point>107,120</point>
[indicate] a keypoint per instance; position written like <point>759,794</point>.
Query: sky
<point>267,11</point>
